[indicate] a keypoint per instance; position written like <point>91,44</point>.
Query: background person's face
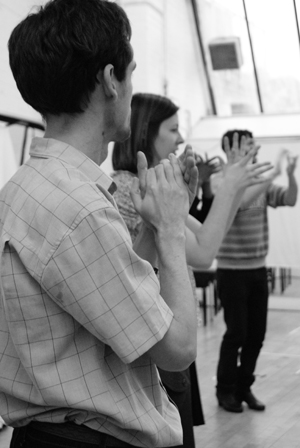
<point>167,140</point>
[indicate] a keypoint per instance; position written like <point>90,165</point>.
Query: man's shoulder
<point>51,193</point>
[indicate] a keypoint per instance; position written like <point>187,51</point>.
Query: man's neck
<point>81,132</point>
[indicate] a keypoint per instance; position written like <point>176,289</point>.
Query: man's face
<point>123,111</point>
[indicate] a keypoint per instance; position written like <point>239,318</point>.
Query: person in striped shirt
<point>242,279</point>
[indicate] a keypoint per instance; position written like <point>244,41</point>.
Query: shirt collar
<point>49,147</point>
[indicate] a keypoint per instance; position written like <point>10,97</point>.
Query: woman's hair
<point>148,111</point>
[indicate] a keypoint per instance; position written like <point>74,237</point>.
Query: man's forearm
<point>178,347</point>
<point>291,193</point>
<point>254,191</point>
<point>144,245</point>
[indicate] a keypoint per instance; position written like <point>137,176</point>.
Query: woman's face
<point>167,140</point>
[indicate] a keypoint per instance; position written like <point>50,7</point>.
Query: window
<point>264,38</point>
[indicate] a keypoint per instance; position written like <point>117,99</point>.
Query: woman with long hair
<point>155,132</point>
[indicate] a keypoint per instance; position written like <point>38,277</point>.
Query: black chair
<point>203,280</point>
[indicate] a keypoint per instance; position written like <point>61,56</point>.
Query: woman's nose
<point>180,139</point>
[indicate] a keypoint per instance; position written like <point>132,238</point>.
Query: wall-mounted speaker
<point>225,53</point>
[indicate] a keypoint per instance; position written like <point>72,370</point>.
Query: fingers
<point>295,160</point>
<point>243,147</point>
<point>249,156</point>
<point>142,166</point>
<point>184,160</point>
<point>193,182</point>
<point>164,171</point>
<point>235,146</point>
<point>190,163</point>
<point>231,152</point>
<point>227,148</point>
<point>259,168</point>
<point>292,160</point>
<point>213,160</point>
<point>198,159</point>
<point>177,175</point>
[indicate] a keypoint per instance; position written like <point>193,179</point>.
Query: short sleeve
<point>96,277</point>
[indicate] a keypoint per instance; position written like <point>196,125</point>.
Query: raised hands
<point>160,195</point>
<point>238,150</point>
<point>240,168</point>
<point>291,163</point>
<point>187,164</point>
<point>206,167</point>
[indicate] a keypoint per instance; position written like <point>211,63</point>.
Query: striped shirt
<point>78,308</point>
<point>247,242</point>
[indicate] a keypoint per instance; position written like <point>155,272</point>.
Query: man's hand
<point>291,164</point>
<point>189,171</point>
<point>239,150</point>
<point>243,173</point>
<point>160,195</point>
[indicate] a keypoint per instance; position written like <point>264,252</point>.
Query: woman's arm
<point>203,242</point>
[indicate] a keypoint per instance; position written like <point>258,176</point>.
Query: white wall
<point>273,133</point>
<point>11,103</point>
<point>166,51</point>
<point>168,57</point>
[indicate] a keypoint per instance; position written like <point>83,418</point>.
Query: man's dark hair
<point>56,53</point>
<point>148,111</point>
<point>230,134</point>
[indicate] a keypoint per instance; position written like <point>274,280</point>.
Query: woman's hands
<point>189,171</point>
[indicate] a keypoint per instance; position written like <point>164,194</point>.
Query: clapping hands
<point>206,167</point>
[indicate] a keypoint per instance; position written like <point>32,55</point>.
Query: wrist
<point>170,246</point>
<point>228,186</point>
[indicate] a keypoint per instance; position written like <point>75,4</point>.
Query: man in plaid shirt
<point>83,318</point>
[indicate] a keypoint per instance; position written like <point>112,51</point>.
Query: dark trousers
<point>244,298</point>
<point>31,436</point>
<point>183,389</point>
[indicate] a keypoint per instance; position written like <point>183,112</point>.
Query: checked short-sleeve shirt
<point>78,308</point>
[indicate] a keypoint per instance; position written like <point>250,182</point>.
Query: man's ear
<point>108,80</point>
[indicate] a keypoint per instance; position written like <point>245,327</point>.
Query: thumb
<point>193,181</point>
<point>142,167</point>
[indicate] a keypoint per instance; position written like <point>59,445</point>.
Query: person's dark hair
<point>148,111</point>
<point>56,53</point>
<point>230,134</point>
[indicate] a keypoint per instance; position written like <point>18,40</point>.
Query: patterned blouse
<point>123,180</point>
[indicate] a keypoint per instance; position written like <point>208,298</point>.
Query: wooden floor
<point>277,385</point>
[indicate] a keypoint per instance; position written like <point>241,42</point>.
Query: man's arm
<point>162,199</point>
<point>203,244</point>
<point>291,193</point>
<point>253,192</point>
<point>144,245</point>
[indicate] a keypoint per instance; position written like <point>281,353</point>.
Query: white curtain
<point>8,162</point>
